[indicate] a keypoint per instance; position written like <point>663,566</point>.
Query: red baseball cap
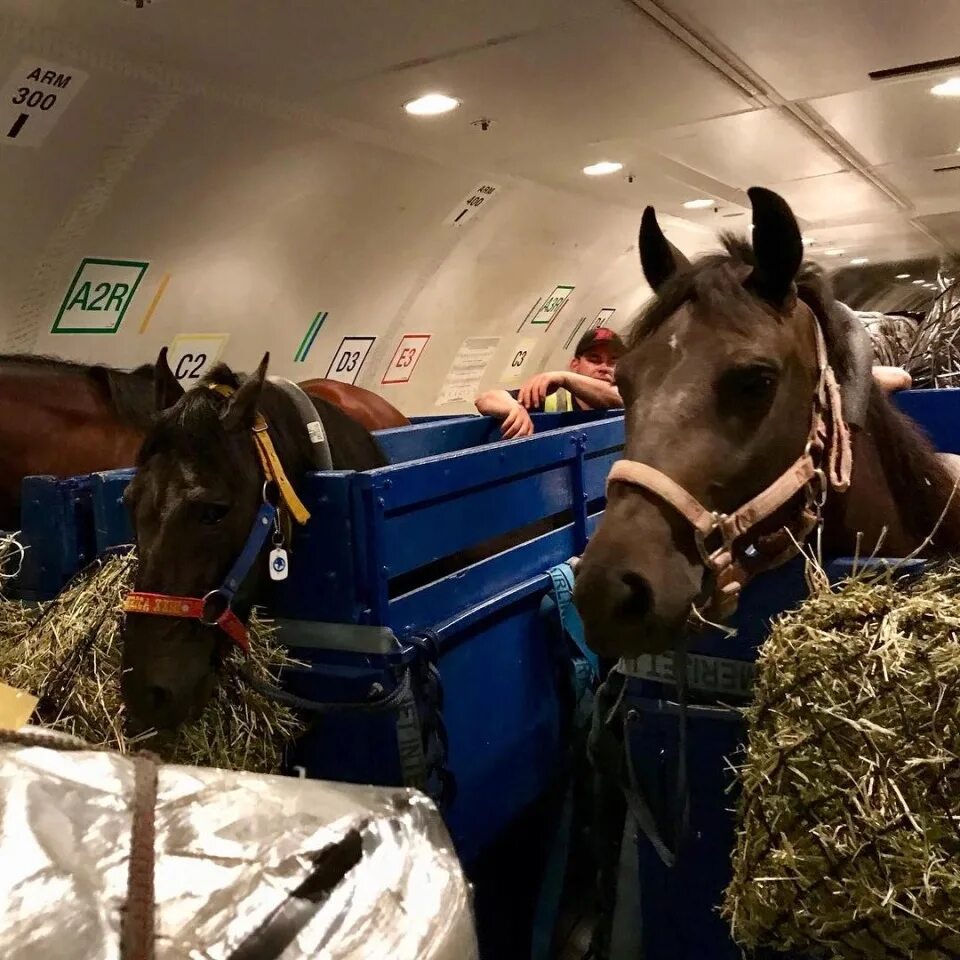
<point>601,337</point>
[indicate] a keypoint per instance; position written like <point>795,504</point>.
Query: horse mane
<point>128,392</point>
<point>916,475</point>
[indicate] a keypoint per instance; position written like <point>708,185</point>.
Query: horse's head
<point>718,385</point>
<point>196,497</point>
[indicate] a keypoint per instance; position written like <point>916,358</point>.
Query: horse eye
<point>754,382</point>
<point>212,513</point>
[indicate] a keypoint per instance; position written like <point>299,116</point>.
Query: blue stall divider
<point>56,532</point>
<point>938,412</point>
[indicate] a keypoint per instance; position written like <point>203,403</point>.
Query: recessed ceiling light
<point>602,168</point>
<point>700,204</point>
<point>919,282</point>
<point>903,276</point>
<point>431,104</point>
<point>835,252</point>
<point>949,88</point>
<point>859,261</point>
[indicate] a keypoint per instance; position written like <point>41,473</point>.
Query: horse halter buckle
<point>707,553</point>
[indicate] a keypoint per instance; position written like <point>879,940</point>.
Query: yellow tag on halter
<point>270,462</point>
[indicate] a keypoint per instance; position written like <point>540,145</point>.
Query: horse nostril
<point>638,600</point>
<point>159,698</point>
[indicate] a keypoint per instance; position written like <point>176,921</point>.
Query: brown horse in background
<point>366,407</point>
<point>720,386</point>
<point>61,419</point>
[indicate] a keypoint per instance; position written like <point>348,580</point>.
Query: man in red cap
<point>587,385</point>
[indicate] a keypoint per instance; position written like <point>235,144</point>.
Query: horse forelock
<point>220,375</point>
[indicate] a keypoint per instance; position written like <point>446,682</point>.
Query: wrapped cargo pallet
<point>120,856</point>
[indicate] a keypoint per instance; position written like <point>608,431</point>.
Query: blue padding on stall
<point>938,412</point>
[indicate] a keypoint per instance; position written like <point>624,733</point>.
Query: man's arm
<point>515,421</point>
<point>892,379</point>
<point>594,393</point>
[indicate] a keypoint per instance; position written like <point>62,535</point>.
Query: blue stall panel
<point>938,412</point>
<point>56,532</point>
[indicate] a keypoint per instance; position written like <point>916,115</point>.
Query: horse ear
<point>777,246</point>
<point>167,389</point>
<point>659,258</point>
<point>241,412</point>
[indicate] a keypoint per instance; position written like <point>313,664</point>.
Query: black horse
<point>201,507</point>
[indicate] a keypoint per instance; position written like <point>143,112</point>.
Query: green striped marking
<point>307,342</point>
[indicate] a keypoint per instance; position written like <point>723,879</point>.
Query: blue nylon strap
<point>584,670</point>
<point>562,577</point>
<point>262,526</point>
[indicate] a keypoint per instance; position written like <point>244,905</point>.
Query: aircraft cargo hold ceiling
<point>229,178</point>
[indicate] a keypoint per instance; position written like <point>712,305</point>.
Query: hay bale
<point>69,651</point>
<point>848,839</point>
<point>933,358</point>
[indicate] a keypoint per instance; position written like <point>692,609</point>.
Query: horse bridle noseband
<point>825,464</point>
<point>215,609</point>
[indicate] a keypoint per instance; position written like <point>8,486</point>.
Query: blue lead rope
<point>562,577</point>
<point>584,671</point>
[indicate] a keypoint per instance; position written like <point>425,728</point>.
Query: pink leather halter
<point>722,539</point>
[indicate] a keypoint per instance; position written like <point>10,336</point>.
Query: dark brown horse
<point>196,503</point>
<point>721,384</point>
<point>61,419</point>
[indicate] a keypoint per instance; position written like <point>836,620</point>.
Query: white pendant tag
<point>278,564</point>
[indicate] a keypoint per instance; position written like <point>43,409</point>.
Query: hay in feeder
<point>68,651</point>
<point>849,818</point>
<point>893,337</point>
<point>933,359</point>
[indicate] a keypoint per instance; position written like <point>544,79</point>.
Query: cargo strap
<point>583,667</point>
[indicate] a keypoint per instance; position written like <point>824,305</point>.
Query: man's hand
<point>516,424</point>
<point>892,379</point>
<point>515,421</point>
<point>532,394</point>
